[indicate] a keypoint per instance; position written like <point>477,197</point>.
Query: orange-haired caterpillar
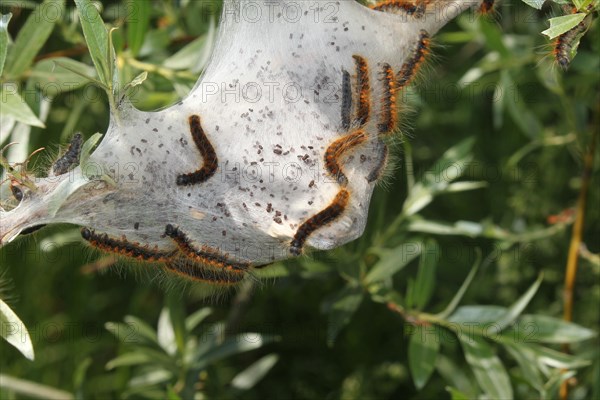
<point>364,90</point>
<point>410,67</point>
<point>70,158</point>
<point>322,218</point>
<point>124,247</point>
<point>209,156</point>
<point>388,102</point>
<point>187,270</point>
<point>205,255</point>
<point>337,150</point>
<point>564,44</point>
<point>416,9</point>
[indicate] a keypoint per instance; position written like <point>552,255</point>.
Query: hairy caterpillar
<point>264,177</point>
<point>564,44</point>
<point>71,157</point>
<point>207,152</point>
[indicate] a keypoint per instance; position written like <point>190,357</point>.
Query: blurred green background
<point>326,329</point>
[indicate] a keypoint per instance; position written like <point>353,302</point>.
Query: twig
<point>573,257</point>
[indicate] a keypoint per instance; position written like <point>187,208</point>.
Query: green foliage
<point>14,331</point>
<point>166,362</point>
<point>410,309</point>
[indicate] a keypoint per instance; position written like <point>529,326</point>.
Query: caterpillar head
<point>277,148</point>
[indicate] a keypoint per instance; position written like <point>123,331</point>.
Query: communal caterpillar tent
<point>221,183</point>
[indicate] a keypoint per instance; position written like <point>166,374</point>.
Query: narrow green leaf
<point>479,315</point>
<point>462,290</point>
<point>142,356</point>
<point>138,80</point>
<point>142,329</point>
<point>517,308</point>
<point>4,20</point>
<point>556,380</point>
<point>583,4</point>
<point>340,309</point>
<point>456,375</point>
<point>113,72</point>
<point>253,374</point>
<point>13,106</point>
<point>419,197</point>
<point>129,359</point>
<point>194,55</point>
<point>423,348</point>
<point>187,57</point>
<point>560,25</point>
<point>81,372</point>
<point>545,329</point>
<point>156,41</point>
<point>29,389</point>
<point>138,19</point>
<point>464,186</point>
<point>528,364</point>
<point>451,165</point>
<point>14,331</point>
<point>557,359</point>
<point>166,332</point>
<point>59,75</point>
<point>150,378</point>
<point>33,35</point>
<point>230,346</point>
<point>466,228</point>
<point>392,261</point>
<point>436,180</point>
<point>177,316</point>
<point>425,281</point>
<point>195,319</point>
<point>487,367</point>
<point>96,37</point>
<point>86,150</point>
<point>125,333</point>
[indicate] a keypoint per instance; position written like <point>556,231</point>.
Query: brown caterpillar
<point>411,67</point>
<point>205,255</point>
<point>364,90</point>
<point>337,150</point>
<point>199,273</point>
<point>210,163</point>
<point>71,157</point>
<point>564,44</point>
<point>388,102</point>
<point>124,247</point>
<point>416,9</point>
<point>322,218</point>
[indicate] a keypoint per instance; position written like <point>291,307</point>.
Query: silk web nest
<point>219,184</point>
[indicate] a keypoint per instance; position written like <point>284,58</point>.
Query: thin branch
<point>573,257</point>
